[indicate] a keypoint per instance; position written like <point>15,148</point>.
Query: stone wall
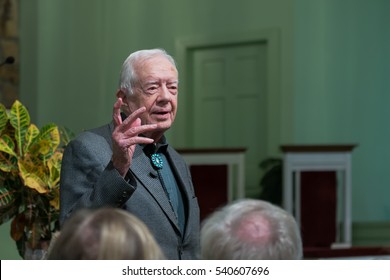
<point>9,46</point>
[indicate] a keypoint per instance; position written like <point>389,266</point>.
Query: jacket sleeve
<point>88,178</point>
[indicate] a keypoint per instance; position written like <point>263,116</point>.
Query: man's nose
<point>165,94</point>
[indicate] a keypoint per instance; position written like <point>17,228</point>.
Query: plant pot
<point>38,253</point>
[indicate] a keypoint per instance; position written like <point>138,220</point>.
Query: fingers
<point>132,126</point>
<point>116,112</point>
<point>136,128</point>
<point>128,122</point>
<point>136,140</point>
<point>127,131</point>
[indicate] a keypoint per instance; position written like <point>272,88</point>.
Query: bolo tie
<point>158,163</point>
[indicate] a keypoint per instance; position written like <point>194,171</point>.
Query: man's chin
<point>163,126</point>
<point>163,123</point>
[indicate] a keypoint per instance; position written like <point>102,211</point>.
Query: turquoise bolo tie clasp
<point>157,161</point>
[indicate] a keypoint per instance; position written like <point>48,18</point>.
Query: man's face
<point>156,90</point>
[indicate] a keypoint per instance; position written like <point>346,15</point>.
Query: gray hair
<point>250,229</point>
<point>128,74</point>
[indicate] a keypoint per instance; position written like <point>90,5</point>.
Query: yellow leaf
<point>36,183</point>
<point>54,165</point>
<point>55,202</point>
<point>32,176</point>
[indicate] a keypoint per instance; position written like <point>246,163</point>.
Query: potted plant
<point>30,161</point>
<point>271,181</point>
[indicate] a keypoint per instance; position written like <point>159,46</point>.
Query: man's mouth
<point>162,114</point>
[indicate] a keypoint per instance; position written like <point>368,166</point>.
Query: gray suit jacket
<point>88,179</point>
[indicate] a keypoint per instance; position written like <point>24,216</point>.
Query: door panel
<point>229,100</point>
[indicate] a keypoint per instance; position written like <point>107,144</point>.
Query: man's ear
<point>125,106</point>
<point>120,93</point>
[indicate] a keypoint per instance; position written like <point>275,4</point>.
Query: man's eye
<point>152,89</point>
<point>172,88</point>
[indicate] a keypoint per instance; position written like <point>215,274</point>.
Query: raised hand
<point>126,135</point>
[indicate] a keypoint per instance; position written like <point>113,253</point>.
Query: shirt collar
<point>160,147</point>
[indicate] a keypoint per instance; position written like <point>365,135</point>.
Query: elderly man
<point>128,162</point>
<point>250,229</point>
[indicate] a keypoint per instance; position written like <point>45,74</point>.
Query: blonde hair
<point>105,234</point>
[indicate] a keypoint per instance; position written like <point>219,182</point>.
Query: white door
<point>229,102</point>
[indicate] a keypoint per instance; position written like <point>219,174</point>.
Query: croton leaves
<point>20,120</point>
<point>8,208</point>
<point>30,162</point>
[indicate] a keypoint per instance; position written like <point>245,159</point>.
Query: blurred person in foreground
<point>129,164</point>
<point>104,234</point>
<point>250,229</point>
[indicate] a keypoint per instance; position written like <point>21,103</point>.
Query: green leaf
<point>20,120</point>
<point>8,207</point>
<point>31,136</point>
<point>6,163</point>
<point>7,197</point>
<point>49,140</point>
<point>66,135</point>
<point>3,118</point>
<point>7,145</point>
